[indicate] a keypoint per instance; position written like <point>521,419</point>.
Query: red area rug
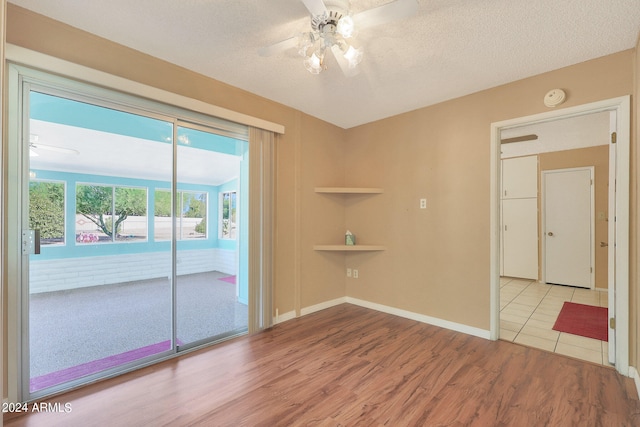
<point>584,320</point>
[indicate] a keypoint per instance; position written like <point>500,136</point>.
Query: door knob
<point>550,234</point>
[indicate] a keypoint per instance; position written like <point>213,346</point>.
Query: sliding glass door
<point>131,229</point>
<point>209,166</point>
<point>99,288</point>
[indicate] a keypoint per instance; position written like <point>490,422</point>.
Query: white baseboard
<point>633,373</point>
<point>308,310</point>
<point>322,306</point>
<point>458,327</point>
<point>284,317</point>
<point>446,324</point>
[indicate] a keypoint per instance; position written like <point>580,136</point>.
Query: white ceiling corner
<point>449,49</point>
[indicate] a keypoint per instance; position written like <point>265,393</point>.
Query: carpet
<point>584,320</point>
<point>82,331</point>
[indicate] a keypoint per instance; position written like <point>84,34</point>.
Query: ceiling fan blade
<point>343,63</point>
<point>397,9</point>
<point>53,148</point>
<point>315,7</point>
<point>278,47</point>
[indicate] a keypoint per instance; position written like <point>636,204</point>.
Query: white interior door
<point>568,226</point>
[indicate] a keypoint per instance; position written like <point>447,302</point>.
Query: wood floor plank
<point>351,366</point>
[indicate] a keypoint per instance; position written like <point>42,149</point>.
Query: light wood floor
<point>350,366</point>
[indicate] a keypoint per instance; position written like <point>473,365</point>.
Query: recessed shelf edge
<point>351,248</point>
<point>349,190</point>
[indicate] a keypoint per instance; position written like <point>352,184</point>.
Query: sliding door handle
<point>31,242</point>
<point>36,242</point>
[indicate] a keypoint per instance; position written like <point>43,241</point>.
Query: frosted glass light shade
<point>313,64</point>
<point>345,27</point>
<point>353,56</point>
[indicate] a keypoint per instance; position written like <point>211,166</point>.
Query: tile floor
<point>528,311</point>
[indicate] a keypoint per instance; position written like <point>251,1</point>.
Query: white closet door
<point>520,238</point>
<point>520,177</point>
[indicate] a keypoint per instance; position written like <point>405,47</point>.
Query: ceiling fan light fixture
<point>313,63</point>
<point>353,56</point>
<point>305,43</point>
<point>332,24</point>
<point>330,29</point>
<point>346,27</point>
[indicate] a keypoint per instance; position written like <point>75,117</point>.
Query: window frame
<point>34,179</point>
<point>221,218</point>
<point>113,187</point>
<point>179,228</point>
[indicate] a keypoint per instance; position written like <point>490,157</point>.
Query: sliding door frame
<point>199,113</point>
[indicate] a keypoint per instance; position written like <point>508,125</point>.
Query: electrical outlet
<point>355,274</point>
<point>423,203</point>
<point>348,272</point>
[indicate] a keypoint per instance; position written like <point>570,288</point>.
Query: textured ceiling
<point>449,49</point>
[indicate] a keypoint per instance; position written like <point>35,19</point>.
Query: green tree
<point>201,227</point>
<point>162,203</point>
<point>194,205</point>
<point>95,202</point>
<point>46,209</point>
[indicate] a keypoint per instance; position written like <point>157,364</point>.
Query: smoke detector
<point>554,97</point>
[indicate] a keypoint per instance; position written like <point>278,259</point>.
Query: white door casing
<point>619,212</point>
<point>568,227</point>
<point>611,273</point>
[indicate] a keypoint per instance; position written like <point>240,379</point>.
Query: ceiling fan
<point>332,25</point>
<point>34,146</point>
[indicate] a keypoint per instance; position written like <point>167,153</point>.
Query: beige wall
<point>599,158</point>
<point>437,262</point>
<point>437,259</point>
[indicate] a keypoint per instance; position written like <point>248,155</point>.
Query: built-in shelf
<point>349,190</point>
<point>352,248</point>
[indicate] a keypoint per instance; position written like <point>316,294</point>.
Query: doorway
<point>618,280</point>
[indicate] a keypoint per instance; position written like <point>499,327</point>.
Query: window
<point>101,209</point>
<point>228,215</point>
<point>46,211</point>
<point>192,220</point>
<point>193,215</point>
